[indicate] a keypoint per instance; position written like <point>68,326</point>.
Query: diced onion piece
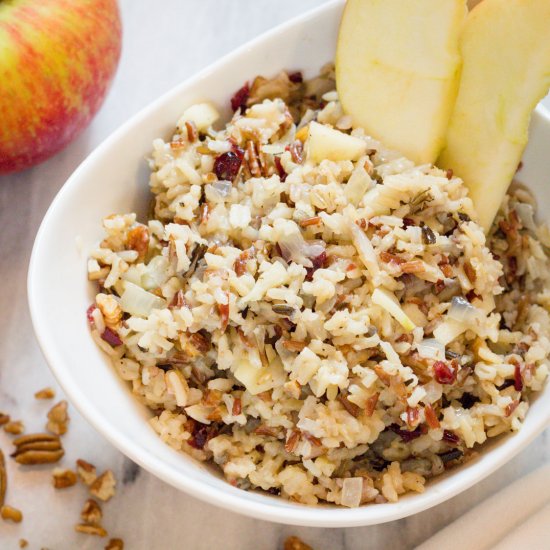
<point>448,330</point>
<point>462,311</point>
<point>203,115</point>
<point>389,302</point>
<point>364,249</point>
<point>223,188</point>
<point>358,184</point>
<point>430,348</point>
<point>352,490</point>
<point>257,380</point>
<point>526,215</point>
<point>295,248</point>
<point>137,301</point>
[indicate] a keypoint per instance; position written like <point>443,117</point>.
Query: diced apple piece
<point>203,115</point>
<point>325,142</point>
<point>398,68</point>
<point>506,51</point>
<point>257,380</point>
<point>388,301</point>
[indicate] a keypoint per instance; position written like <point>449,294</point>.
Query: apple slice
<point>398,68</point>
<point>506,54</point>
<point>324,142</point>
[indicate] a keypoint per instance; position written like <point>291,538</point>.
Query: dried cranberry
<point>296,77</point>
<point>518,381</point>
<point>280,169</point>
<point>200,436</point>
<point>468,400</point>
<point>239,99</point>
<point>408,222</point>
<point>406,435</point>
<point>443,373</point>
<point>450,437</point>
<point>227,165</point>
<point>89,315</point>
<point>111,337</point>
<point>318,262</point>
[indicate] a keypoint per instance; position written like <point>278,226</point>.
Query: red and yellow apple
<point>57,60</point>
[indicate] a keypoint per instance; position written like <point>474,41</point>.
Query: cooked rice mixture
<point>314,314</point>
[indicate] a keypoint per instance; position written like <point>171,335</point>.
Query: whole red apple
<point>57,59</point>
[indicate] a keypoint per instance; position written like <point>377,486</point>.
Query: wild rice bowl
<point>314,314</point>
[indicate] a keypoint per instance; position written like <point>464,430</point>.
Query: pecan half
<point>37,449</point>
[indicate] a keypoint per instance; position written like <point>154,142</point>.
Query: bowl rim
<point>266,510</point>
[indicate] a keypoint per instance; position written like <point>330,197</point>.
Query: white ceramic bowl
<point>114,179</point>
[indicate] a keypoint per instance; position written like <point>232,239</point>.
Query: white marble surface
<point>164,42</point>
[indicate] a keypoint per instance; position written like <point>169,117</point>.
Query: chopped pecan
<point>115,544</point>
<point>58,418</point>
<point>296,151</point>
<point>3,478</point>
<point>416,266</point>
<point>253,160</point>
<point>315,220</point>
<point>431,417</point>
<point>292,440</point>
<point>91,512</point>
<point>96,530</point>
<point>63,478</point>
<point>191,129</point>
<point>46,393</point>
<point>511,408</point>
<point>86,471</point>
<point>237,406</point>
<point>223,312</point>
<point>294,543</point>
<point>11,514</point>
<point>138,240</point>
<point>14,427</point>
<point>352,408</point>
<point>371,404</point>
<point>293,345</point>
<point>312,439</point>
<point>23,543</point>
<point>470,272</point>
<point>388,257</point>
<point>104,486</point>
<point>265,430</point>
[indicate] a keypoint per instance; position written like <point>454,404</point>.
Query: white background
<point>165,41</point>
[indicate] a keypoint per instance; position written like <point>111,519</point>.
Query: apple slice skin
<point>398,69</point>
<point>505,47</point>
<point>57,60</point>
